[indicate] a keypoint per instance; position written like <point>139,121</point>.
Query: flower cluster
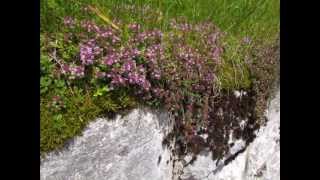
<point>176,71</point>
<point>125,70</point>
<point>147,37</point>
<point>170,70</point>
<point>184,27</point>
<point>108,34</point>
<point>88,51</point>
<point>154,56</point>
<point>89,26</point>
<point>111,59</point>
<point>76,71</point>
<point>100,75</point>
<point>134,27</point>
<point>73,71</point>
<point>214,50</point>
<point>246,40</point>
<point>69,22</point>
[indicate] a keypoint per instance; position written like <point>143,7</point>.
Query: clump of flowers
<point>156,67</point>
<point>69,22</point>
<point>88,51</point>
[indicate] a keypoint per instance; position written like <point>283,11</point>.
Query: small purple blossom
<point>134,27</point>
<point>106,33</point>
<point>150,67</point>
<point>146,85</point>
<point>212,39</point>
<point>136,52</point>
<point>216,53</point>
<point>90,26</point>
<point>111,58</point>
<point>156,74</point>
<point>115,39</point>
<point>88,51</point>
<point>246,40</point>
<point>141,69</point>
<point>100,75</point>
<point>129,65</point>
<point>209,78</point>
<point>109,61</point>
<point>190,107</point>
<point>65,69</point>
<point>69,22</point>
<point>118,80</point>
<point>76,71</point>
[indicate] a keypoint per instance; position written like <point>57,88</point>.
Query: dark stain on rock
<point>226,114</point>
<point>124,151</point>
<point>159,159</point>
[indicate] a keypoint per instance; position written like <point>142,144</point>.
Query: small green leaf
<point>59,83</point>
<point>43,90</point>
<point>45,81</point>
<point>101,91</point>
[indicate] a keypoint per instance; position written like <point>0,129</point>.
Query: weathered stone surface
<point>128,148</point>
<point>260,160</point>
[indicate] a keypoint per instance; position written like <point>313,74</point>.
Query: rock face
<point>128,148</point>
<point>260,160</point>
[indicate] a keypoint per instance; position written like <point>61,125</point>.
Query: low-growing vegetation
<point>159,54</point>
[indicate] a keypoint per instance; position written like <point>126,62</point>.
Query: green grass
<point>257,19</point>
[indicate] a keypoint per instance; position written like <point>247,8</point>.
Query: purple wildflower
<point>129,65</point>
<point>76,71</point>
<point>146,85</point>
<point>212,39</point>
<point>100,75</point>
<point>246,40</point>
<point>118,80</point>
<point>216,53</point>
<point>69,22</point>
<point>90,26</point>
<point>88,51</point>
<point>156,74</point>
<point>65,69</point>
<point>141,69</point>
<point>134,27</point>
<point>111,58</point>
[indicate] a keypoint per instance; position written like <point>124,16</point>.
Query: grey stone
<point>130,148</point>
<point>126,148</point>
<point>260,160</point>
